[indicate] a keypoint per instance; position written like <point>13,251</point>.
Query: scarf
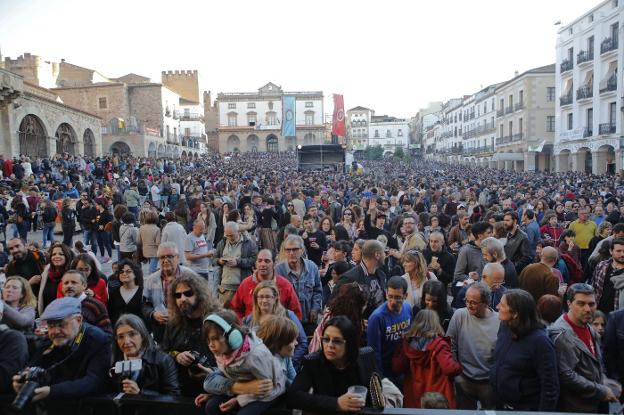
<point>224,360</point>
<point>54,275</point>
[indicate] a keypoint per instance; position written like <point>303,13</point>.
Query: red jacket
<point>242,303</point>
<point>429,370</point>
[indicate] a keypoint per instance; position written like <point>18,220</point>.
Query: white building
<point>389,132</point>
<point>479,147</point>
<point>252,121</point>
<point>358,122</point>
<point>588,116</point>
<point>192,127</point>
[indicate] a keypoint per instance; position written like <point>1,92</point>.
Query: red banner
<point>338,123</point>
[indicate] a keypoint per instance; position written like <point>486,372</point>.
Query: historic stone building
<point>35,122</point>
<point>252,121</point>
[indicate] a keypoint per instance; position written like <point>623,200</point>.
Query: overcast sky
<point>391,56</point>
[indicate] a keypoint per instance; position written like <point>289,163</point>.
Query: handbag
<point>384,393</point>
<point>376,391</point>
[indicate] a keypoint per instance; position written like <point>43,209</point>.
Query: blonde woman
<point>266,304</point>
<point>19,304</point>
<point>416,274</point>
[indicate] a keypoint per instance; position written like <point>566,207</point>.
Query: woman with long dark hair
<point>96,280</point>
<point>331,371</point>
<point>434,298</point>
<point>126,296</point>
<point>524,374</point>
<point>60,258</point>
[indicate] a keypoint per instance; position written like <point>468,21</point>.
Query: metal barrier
<point>181,405</point>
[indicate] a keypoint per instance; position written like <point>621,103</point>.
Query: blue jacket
<point>613,346</point>
<point>85,370</point>
<point>533,234</point>
<point>307,286</point>
<point>525,375</point>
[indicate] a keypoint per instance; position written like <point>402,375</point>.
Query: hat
<point>461,206</point>
<point>61,308</point>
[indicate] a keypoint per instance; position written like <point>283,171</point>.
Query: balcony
<point>190,117</point>
<point>503,140</point>
<point>509,109</point>
<point>584,56</point>
<point>609,85</point>
<point>587,132</point>
<point>519,106</point>
<point>517,137</point>
<point>566,99</point>
<point>500,112</point>
<point>566,65</point>
<point>607,128</point>
<point>608,45</point>
<point>584,92</point>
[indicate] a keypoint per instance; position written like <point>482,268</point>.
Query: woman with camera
<point>158,373</point>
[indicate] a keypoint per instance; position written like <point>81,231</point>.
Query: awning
<point>508,157</point>
<point>537,148</point>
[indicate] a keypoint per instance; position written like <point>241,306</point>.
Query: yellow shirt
<point>584,232</point>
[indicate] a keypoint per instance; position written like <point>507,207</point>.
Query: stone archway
<point>120,147</point>
<point>272,144</point>
<point>605,162</point>
<point>252,143</point>
<point>183,156</point>
<point>89,143</point>
<point>151,150</point>
<point>33,137</point>
<point>162,151</point>
<point>233,144</point>
<point>65,139</point>
<point>565,161</point>
<point>584,162</point>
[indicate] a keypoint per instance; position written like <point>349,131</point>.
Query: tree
<point>399,153</point>
<point>374,152</point>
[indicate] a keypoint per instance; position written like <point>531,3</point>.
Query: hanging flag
<point>288,126</point>
<point>338,123</point>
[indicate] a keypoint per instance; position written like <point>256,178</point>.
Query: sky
<point>390,56</point>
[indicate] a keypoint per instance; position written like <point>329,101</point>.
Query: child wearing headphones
<point>241,357</point>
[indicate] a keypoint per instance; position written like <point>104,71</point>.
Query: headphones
<point>233,336</point>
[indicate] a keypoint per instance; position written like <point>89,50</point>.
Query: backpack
<point>574,268</point>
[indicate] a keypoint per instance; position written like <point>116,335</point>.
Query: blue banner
<point>288,116</point>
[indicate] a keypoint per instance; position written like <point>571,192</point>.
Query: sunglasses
<point>187,294</point>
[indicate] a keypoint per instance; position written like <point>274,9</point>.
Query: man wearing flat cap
<point>76,355</point>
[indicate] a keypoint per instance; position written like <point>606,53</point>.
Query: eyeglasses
<point>187,294</point>
<point>289,205</point>
<point>472,303</point>
<point>348,213</point>
<point>335,341</point>
<point>291,249</point>
<point>169,257</point>
<point>413,252</point>
<point>126,271</point>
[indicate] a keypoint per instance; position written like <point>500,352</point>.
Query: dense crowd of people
<point>252,287</point>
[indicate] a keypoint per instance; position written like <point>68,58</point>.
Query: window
<point>388,134</point>
<point>520,125</point>
<point>590,45</point>
<point>570,120</point>
<point>521,97</point>
<point>252,118</point>
<point>232,120</point>
<point>251,105</point>
<point>376,133</point>
<point>231,105</point>
<point>502,130</point>
<point>614,32</point>
<point>102,103</point>
<point>591,18</point>
<point>271,118</point>
<point>187,132</point>
<point>309,104</point>
<point>270,105</point>
<point>485,107</point>
<point>550,124</point>
<point>460,116</point>
<point>550,93</point>
<point>612,107</point>
<point>309,118</point>
<point>400,132</point>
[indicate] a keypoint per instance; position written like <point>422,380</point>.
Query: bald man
<point>539,279</point>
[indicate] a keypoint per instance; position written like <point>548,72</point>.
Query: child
<point>279,335</point>
<point>241,357</point>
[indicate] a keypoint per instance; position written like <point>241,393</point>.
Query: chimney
<point>515,73</point>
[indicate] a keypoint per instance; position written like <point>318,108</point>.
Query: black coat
<point>446,261</point>
<point>328,383</point>
<point>613,346</point>
<point>357,274</point>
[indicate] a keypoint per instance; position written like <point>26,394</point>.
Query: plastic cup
<point>358,390</point>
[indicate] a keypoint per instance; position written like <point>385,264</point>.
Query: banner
<point>338,123</point>
<point>288,125</point>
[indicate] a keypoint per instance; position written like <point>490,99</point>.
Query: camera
<point>198,359</point>
<point>32,378</point>
<point>128,369</point>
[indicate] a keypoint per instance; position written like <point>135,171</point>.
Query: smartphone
<point>126,366</point>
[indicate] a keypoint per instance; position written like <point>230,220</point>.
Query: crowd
<point>246,285</point>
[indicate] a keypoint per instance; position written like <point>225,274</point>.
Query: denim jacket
<point>307,285</point>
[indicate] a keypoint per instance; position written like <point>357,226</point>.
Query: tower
<point>183,83</point>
